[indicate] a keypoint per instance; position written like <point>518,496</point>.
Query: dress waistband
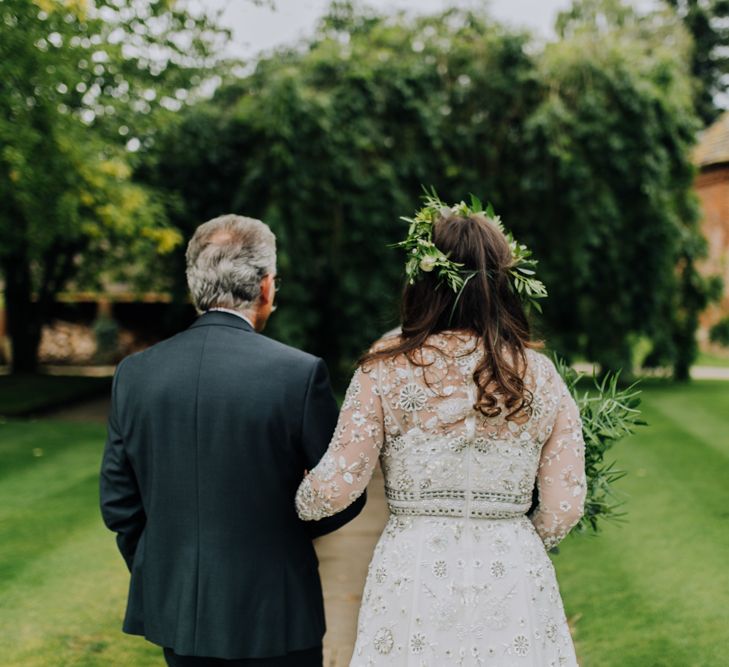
<point>475,505</point>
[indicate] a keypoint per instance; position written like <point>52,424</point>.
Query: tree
<point>706,20</point>
<point>583,148</point>
<point>619,117</point>
<point>81,84</point>
<point>329,144</point>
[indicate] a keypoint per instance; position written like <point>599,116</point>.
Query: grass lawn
<point>706,359</point>
<point>23,394</point>
<point>62,582</point>
<point>655,592</point>
<point>651,593</point>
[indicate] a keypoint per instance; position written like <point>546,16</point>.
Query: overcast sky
<point>257,29</point>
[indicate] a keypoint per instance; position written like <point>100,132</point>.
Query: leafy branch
<point>609,414</point>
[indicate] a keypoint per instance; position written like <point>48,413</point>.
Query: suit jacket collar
<point>222,319</point>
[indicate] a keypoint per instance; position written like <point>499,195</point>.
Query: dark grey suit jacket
<point>209,436</point>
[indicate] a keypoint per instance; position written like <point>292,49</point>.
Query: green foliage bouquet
<point>609,413</point>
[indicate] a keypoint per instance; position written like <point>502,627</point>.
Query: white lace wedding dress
<point>460,575</point>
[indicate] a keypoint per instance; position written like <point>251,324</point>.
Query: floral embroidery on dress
<point>384,641</point>
<point>453,410</point>
<point>440,569</point>
<point>461,575</point>
<point>417,643</point>
<point>521,645</point>
<point>412,397</point>
<point>498,569</point>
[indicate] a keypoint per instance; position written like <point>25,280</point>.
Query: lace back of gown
<point>460,575</point>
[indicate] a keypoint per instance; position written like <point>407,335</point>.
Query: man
<point>210,433</point>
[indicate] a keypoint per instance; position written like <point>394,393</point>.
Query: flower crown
<point>424,255</point>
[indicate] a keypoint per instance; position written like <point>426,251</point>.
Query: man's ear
<point>267,289</point>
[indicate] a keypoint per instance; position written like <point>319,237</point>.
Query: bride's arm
<point>345,470</point>
<point>561,475</point>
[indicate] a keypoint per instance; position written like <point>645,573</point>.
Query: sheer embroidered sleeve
<point>561,475</point>
<point>347,466</point>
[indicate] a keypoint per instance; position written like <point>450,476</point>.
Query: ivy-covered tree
<point>81,84</point>
<point>583,148</point>
<point>614,137</point>
<point>708,23</point>
<point>330,145</point>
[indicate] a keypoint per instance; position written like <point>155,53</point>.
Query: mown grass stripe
<point>653,592</point>
<point>706,422</point>
<point>28,445</point>
<point>66,608</point>
<point>44,524</point>
<point>68,452</point>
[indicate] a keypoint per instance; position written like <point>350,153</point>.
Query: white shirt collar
<point>232,312</point>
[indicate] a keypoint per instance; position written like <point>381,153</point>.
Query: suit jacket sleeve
<point>121,501</point>
<point>318,424</point>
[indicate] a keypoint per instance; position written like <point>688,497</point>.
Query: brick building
<point>712,186</point>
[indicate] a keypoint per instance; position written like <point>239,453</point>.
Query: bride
<point>464,416</point>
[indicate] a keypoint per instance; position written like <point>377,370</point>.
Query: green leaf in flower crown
<point>419,244</point>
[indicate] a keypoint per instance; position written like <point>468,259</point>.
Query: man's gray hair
<point>227,258</point>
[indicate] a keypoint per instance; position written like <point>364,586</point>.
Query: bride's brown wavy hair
<point>486,306</point>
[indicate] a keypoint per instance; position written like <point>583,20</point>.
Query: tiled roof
<point>713,146</point>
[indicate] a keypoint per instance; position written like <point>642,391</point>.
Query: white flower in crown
<point>425,257</point>
<point>428,263</point>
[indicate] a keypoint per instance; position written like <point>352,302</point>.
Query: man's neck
<point>246,315</point>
